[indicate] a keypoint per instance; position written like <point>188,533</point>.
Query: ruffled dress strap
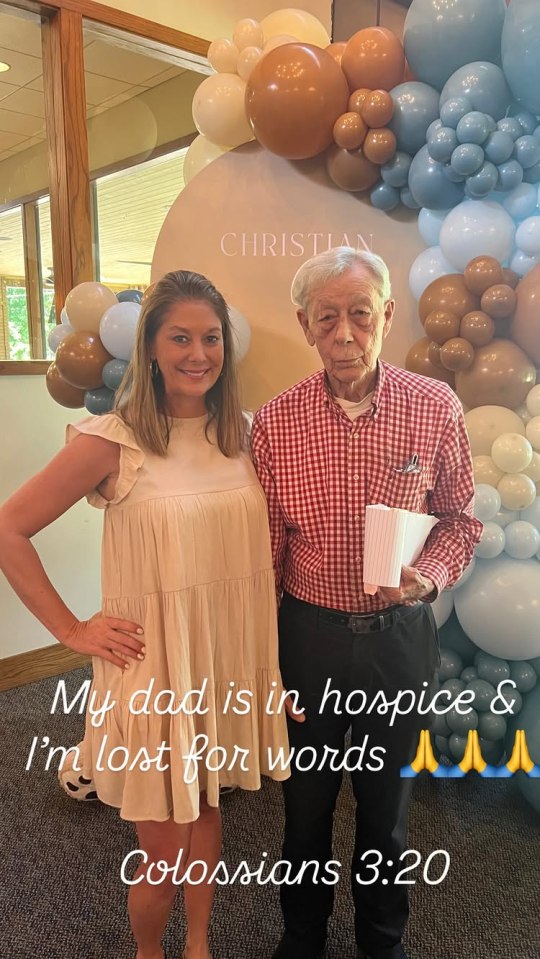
<point>112,427</point>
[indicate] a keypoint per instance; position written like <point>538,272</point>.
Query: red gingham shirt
<point>320,470</point>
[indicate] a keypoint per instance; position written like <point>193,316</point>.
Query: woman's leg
<point>205,846</point>
<point>149,905</point>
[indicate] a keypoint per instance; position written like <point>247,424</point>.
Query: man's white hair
<point>319,269</point>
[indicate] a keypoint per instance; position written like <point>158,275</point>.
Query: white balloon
<point>521,201</point>
<point>511,452</point>
<point>297,22</point>
<point>532,513</point>
<point>522,264</point>
<point>442,607</point>
<point>429,225</point>
<point>201,152</point>
<point>428,266</point>
<point>533,401</point>
<point>505,516</point>
<point>517,491</point>
<point>118,328</point>
<point>57,334</point>
<point>523,413</point>
<point>248,33</point>
<point>533,469</point>
<point>499,610</point>
<point>486,423</point>
<point>532,432</point>
<point>491,542</point>
<point>247,60</point>
<point>528,236</point>
<point>485,471</point>
<point>487,502</point>
<point>241,333</point>
<point>64,318</point>
<point>223,56</point>
<point>219,112</point>
<point>522,540</point>
<point>466,574</point>
<point>474,228</point>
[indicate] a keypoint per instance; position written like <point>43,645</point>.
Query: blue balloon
<point>416,105</point>
<point>527,151</point>
<point>521,201</point>
<point>407,199</point>
<point>520,49</point>
<point>467,159</point>
<point>480,184</point>
<point>433,127</point>
<point>129,296</point>
<point>442,144</point>
<point>532,175</point>
<point>528,720</point>
<point>384,197</point>
<point>483,84</point>
<point>473,128</point>
<point>396,171</point>
<point>99,401</point>
<point>440,37</point>
<point>430,186</point>
<point>526,120</point>
<point>510,175</point>
<point>498,147</point>
<point>113,373</point>
<point>511,126</point>
<point>453,110</point>
<point>453,175</point>
<point>429,227</point>
<point>536,133</point>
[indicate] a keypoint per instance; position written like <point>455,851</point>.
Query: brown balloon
<point>373,58</point>
<point>294,95</point>
<point>457,354</point>
<point>434,354</point>
<point>380,145</point>
<point>351,170</point>
<point>418,361</point>
<point>499,301</point>
<point>80,359</point>
<point>350,131</point>
<point>481,273</point>
<point>378,109</point>
<point>478,328</point>
<point>525,328</point>
<point>447,293</point>
<point>510,277</point>
<point>501,375</point>
<point>62,391</point>
<point>336,51</point>
<point>357,99</point>
<point>441,326</point>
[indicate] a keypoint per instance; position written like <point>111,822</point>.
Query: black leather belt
<point>364,622</point>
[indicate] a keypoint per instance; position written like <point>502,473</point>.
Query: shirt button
<point>356,476</point>
<point>357,517</point>
<point>357,558</point>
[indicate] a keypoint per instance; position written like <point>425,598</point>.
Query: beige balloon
<point>533,469</point>
<point>485,423</point>
<point>223,56</point>
<point>523,413</point>
<point>299,23</point>
<point>517,491</point>
<point>485,471</point>
<point>278,41</point>
<point>218,110</point>
<point>247,60</point>
<point>532,432</point>
<point>86,304</point>
<point>201,152</point>
<point>533,401</point>
<point>248,33</point>
<point>511,452</point>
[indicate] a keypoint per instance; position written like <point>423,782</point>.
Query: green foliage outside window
<point>17,313</point>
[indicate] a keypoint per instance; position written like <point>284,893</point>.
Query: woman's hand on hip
<point>112,639</point>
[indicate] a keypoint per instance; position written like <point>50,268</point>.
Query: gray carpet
<point>61,895</point>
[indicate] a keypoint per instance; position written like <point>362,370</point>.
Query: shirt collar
<point>330,403</point>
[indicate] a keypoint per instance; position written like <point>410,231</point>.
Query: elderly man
<point>359,431</point>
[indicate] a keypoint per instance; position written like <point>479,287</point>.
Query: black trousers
<point>403,656</point>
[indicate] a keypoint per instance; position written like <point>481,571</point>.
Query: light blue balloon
<point>433,127</point>
<point>473,128</point>
<point>528,238</point>
<point>453,175</point>
<point>521,201</point>
<point>491,726</point>
<point>510,175</point>
<point>532,513</point>
<point>520,49</point>
<point>483,84</point>
<point>522,540</point>
<point>467,159</point>
<point>99,401</point>
<point>416,105</point>
<point>429,185</point>
<point>481,184</point>
<point>129,296</point>
<point>396,171</point>
<point>113,373</point>
<point>442,144</point>
<point>523,676</point>
<point>498,147</point>
<point>453,110</point>
<point>429,225</point>
<point>438,38</point>
<point>527,151</point>
<point>528,720</point>
<point>532,175</point>
<point>511,126</point>
<point>536,133</point>
<point>384,197</point>
<point>523,264</point>
<point>484,694</point>
<point>526,120</point>
<point>408,199</point>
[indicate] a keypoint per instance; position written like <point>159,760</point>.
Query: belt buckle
<point>360,624</point>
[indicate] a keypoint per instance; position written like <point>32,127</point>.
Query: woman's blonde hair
<point>140,399</point>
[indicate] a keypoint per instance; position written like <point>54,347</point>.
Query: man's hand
<point>292,712</point>
<point>413,586</point>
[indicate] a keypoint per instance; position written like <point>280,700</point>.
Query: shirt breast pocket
<point>405,490</point>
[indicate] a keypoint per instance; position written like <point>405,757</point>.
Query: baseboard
<point>39,664</point>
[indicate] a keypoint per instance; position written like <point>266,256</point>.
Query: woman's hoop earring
<point>154,369</point>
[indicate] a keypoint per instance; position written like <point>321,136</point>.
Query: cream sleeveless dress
<point>186,554</point>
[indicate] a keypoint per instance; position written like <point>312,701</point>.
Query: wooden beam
<point>24,367</point>
<point>39,664</point>
<point>32,270</point>
<point>65,111</point>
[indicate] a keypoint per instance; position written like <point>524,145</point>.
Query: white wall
<point>32,432</point>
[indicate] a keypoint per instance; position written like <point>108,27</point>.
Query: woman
<point>185,647</point>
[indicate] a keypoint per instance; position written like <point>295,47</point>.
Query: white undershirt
<point>353,409</point>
